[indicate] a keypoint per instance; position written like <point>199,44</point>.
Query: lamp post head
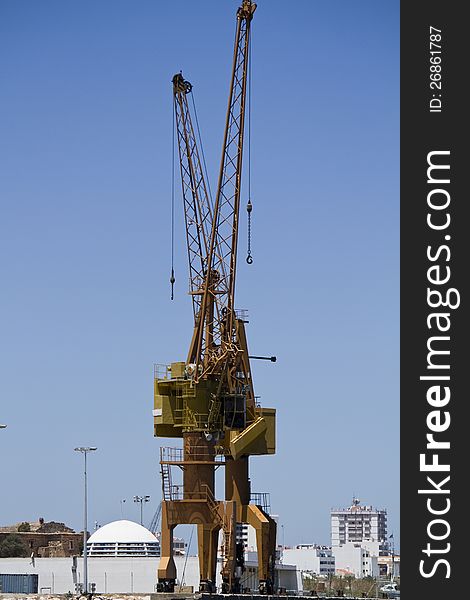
<point>2,426</point>
<point>85,449</point>
<point>141,499</point>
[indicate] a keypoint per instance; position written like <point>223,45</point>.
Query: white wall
<point>126,574</point>
<point>307,559</point>
<point>352,558</point>
<point>372,547</point>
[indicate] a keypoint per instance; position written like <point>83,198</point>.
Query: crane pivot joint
<point>180,85</point>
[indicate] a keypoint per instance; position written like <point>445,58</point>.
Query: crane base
<point>166,585</point>
<point>207,586</point>
<point>266,587</point>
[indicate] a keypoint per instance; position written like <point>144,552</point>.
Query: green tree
<point>13,546</point>
<point>309,581</point>
<point>24,527</point>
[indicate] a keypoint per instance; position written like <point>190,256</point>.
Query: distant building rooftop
<point>123,538</point>
<point>39,526</point>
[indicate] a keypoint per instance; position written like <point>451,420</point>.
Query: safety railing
<point>242,314</point>
<point>161,371</point>
<point>171,454</point>
<point>176,492</point>
<point>263,500</point>
<point>176,455</point>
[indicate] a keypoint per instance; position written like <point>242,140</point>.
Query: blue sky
<point>85,190</point>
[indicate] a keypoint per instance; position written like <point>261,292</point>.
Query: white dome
<point>122,531</point>
<point>123,538</point>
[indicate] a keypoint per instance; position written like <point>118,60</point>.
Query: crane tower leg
<point>166,567</point>
<point>237,482</point>
<point>208,538</point>
<point>265,528</point>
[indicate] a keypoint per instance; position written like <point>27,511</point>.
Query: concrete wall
<point>111,575</point>
<point>126,574</point>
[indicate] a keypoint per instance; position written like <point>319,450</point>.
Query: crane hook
<point>249,208</point>
<point>172,281</point>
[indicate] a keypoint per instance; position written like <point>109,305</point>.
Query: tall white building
<point>361,525</point>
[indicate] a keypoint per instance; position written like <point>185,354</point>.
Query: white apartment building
<point>361,525</point>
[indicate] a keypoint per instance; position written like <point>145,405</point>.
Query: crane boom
<point>196,199</point>
<point>214,346</point>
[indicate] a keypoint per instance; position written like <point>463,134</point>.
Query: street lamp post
<point>141,499</point>
<point>84,450</point>
<point>283,545</point>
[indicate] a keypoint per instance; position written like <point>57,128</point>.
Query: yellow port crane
<point>208,400</point>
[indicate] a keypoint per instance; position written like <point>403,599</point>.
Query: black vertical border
<point>423,132</point>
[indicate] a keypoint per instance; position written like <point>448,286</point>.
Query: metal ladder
<point>228,545</point>
<point>166,481</point>
<point>214,410</point>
